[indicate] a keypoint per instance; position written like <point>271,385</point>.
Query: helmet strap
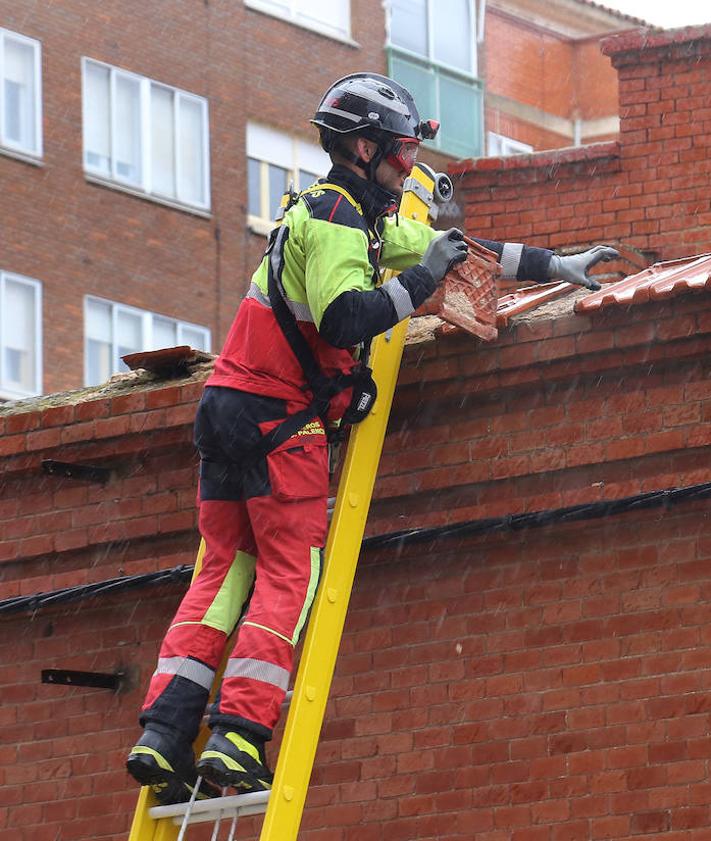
<point>369,167</point>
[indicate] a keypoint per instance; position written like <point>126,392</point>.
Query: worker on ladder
<point>287,377</point>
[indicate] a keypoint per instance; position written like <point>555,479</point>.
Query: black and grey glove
<point>421,281</point>
<point>444,252</point>
<point>575,267</point>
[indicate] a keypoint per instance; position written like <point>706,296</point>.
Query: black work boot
<point>235,758</point>
<point>164,761</point>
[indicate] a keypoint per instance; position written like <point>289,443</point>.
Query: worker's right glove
<point>444,252</point>
<point>575,267</point>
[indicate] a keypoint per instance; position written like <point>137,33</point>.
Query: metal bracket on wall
<point>83,472</point>
<point>95,680</point>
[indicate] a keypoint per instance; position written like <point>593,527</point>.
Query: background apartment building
<point>144,147</point>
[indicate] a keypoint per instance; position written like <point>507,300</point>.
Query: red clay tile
<point>467,296</point>
<point>660,281</point>
<point>164,362</point>
<point>528,298</point>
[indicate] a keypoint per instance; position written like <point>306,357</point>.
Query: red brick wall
<point>533,687</point>
<point>648,193</point>
<point>595,81</point>
<point>532,67</point>
<point>546,684</point>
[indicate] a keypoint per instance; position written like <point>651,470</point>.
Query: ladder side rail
<point>144,826</point>
<point>303,726</point>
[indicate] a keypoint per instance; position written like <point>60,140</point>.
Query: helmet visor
<point>402,154</point>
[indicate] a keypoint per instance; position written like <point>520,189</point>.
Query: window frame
<point>145,187</point>
<point>262,224</point>
<point>441,69</point>
<point>509,146</point>
<point>5,144</point>
<point>7,393</point>
<point>146,317</point>
<point>472,73</point>
<point>268,7</point>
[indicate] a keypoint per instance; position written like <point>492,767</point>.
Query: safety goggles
<point>402,154</point>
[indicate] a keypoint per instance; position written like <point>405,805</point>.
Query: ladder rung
<point>241,805</point>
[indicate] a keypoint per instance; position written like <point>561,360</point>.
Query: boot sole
<point>217,772</point>
<point>167,786</point>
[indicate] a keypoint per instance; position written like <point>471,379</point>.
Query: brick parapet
<point>649,46</point>
<point>493,677</point>
<point>647,191</point>
<point>552,162</point>
<point>557,412</point>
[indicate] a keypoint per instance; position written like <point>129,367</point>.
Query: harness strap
<point>323,388</point>
<point>328,186</point>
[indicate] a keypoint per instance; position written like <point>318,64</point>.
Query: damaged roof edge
<point>182,365</point>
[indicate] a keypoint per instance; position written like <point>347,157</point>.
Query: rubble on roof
<point>528,298</point>
<point>141,379</point>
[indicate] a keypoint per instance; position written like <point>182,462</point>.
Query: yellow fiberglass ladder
<point>284,804</point>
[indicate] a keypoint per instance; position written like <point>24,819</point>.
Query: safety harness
<point>323,388</point>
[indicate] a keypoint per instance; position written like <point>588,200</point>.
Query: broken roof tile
<point>166,362</point>
<point>522,300</point>
<point>660,281</point>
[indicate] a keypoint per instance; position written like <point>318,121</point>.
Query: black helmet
<point>370,104</point>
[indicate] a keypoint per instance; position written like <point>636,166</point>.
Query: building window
<point>113,330</point>
<point>432,52</point>
<point>500,146</point>
<point>145,135</point>
<point>274,160</point>
<point>20,336</point>
<point>329,17</point>
<point>20,93</point>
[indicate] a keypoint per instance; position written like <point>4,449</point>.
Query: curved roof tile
<point>660,281</point>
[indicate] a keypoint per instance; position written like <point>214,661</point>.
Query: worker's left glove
<point>575,267</point>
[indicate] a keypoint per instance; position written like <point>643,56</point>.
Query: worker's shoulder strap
<point>315,189</point>
<point>291,197</point>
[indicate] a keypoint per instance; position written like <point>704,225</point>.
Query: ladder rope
<point>188,811</point>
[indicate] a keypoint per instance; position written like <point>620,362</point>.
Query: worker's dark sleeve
<point>519,261</point>
<point>356,316</point>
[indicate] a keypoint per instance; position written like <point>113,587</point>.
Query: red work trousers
<point>264,529</point>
